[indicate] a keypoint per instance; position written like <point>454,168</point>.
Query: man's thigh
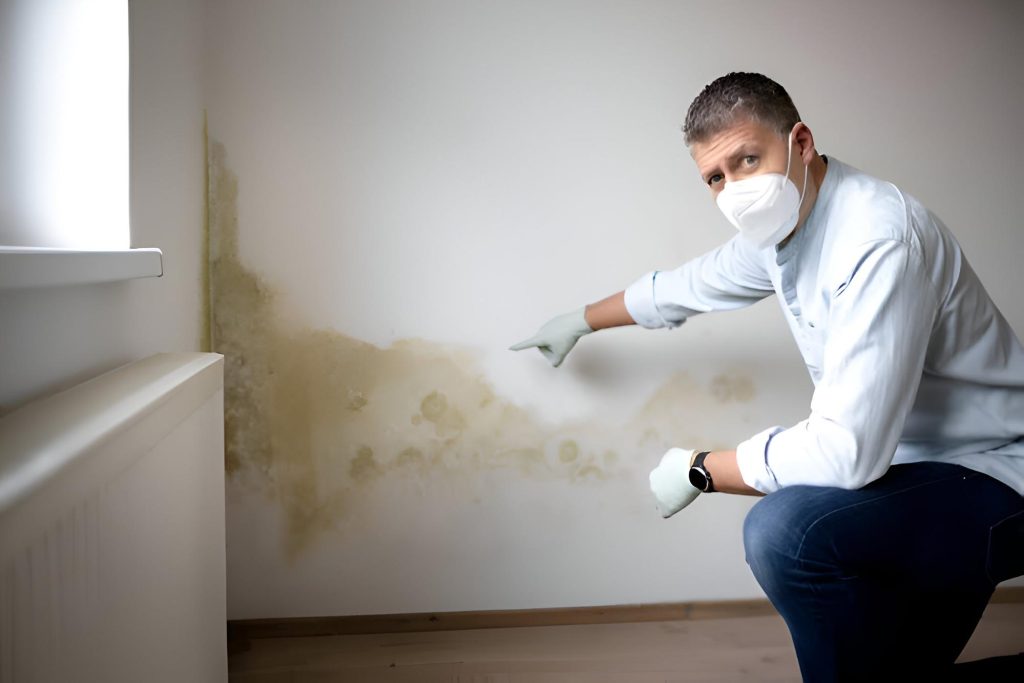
<point>928,523</point>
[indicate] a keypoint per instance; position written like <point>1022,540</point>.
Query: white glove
<point>670,482</point>
<point>557,336</point>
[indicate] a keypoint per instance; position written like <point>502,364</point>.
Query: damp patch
<point>314,418</point>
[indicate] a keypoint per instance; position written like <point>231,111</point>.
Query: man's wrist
<point>700,477</point>
<point>589,324</point>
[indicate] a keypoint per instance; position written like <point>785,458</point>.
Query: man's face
<point>741,151</point>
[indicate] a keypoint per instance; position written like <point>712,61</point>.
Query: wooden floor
<point>721,650</point>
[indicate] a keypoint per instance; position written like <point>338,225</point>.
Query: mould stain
<point>363,465</point>
<point>733,387</point>
<point>410,457</point>
<point>590,471</point>
<point>316,419</point>
<point>568,451</point>
<point>356,400</point>
<point>433,406</point>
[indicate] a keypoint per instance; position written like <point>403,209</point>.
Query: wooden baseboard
<point>1008,594</point>
<point>455,621</point>
<point>240,632</point>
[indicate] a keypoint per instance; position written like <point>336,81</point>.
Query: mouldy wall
<point>314,417</point>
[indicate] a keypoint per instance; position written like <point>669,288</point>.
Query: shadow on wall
<point>314,417</point>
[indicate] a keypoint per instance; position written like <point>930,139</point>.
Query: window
<point>64,124</point>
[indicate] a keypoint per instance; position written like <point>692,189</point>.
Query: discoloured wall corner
<point>314,417</point>
<point>205,341</point>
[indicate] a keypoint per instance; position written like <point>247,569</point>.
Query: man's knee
<point>775,530</point>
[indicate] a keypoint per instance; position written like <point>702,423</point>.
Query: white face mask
<point>765,207</point>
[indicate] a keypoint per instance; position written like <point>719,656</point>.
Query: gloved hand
<point>670,482</point>
<point>557,336</point>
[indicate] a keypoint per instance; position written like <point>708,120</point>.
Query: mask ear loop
<point>806,171</point>
<point>789,151</point>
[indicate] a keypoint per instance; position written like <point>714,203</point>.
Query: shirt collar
<point>786,252</point>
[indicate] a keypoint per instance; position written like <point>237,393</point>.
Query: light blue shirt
<point>910,358</point>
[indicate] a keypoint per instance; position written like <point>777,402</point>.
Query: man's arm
<point>670,480</point>
<point>609,312</point>
<point>728,277</point>
<point>725,473</point>
<point>731,276</point>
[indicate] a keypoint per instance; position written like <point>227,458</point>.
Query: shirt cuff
<point>641,305</point>
<point>752,458</point>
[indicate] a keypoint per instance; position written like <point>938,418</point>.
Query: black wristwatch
<point>700,478</point>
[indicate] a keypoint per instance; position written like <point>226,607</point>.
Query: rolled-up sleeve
<point>639,298</point>
<point>879,326</point>
<point>728,277</point>
<point>752,460</point>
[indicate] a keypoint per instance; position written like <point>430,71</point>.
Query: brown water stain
<point>314,418</point>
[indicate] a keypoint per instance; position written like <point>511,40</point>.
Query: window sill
<point>27,267</point>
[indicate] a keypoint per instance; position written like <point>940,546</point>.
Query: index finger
<point>526,344</point>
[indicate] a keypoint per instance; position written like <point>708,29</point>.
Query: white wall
<point>458,172</point>
<point>451,174</point>
<point>54,338</point>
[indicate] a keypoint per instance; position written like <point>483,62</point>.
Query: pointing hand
<point>556,337</point>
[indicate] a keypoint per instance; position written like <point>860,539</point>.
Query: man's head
<point>739,127</point>
<point>739,97</point>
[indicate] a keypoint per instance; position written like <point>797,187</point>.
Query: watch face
<point>697,479</point>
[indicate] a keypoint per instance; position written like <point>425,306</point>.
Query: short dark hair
<point>735,97</point>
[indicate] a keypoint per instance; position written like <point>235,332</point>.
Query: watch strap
<point>699,462</point>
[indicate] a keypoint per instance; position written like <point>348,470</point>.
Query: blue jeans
<point>888,580</point>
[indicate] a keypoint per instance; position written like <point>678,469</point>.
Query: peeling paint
<point>314,418</point>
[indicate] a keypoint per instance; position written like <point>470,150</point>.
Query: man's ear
<point>804,139</point>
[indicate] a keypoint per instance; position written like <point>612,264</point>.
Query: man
<point>895,508</point>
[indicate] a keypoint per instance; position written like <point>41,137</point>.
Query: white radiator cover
<point>112,557</point>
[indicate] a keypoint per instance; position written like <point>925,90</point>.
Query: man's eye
<point>750,160</point>
<point>715,178</point>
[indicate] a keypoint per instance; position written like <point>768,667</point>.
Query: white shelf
<point>25,267</point>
